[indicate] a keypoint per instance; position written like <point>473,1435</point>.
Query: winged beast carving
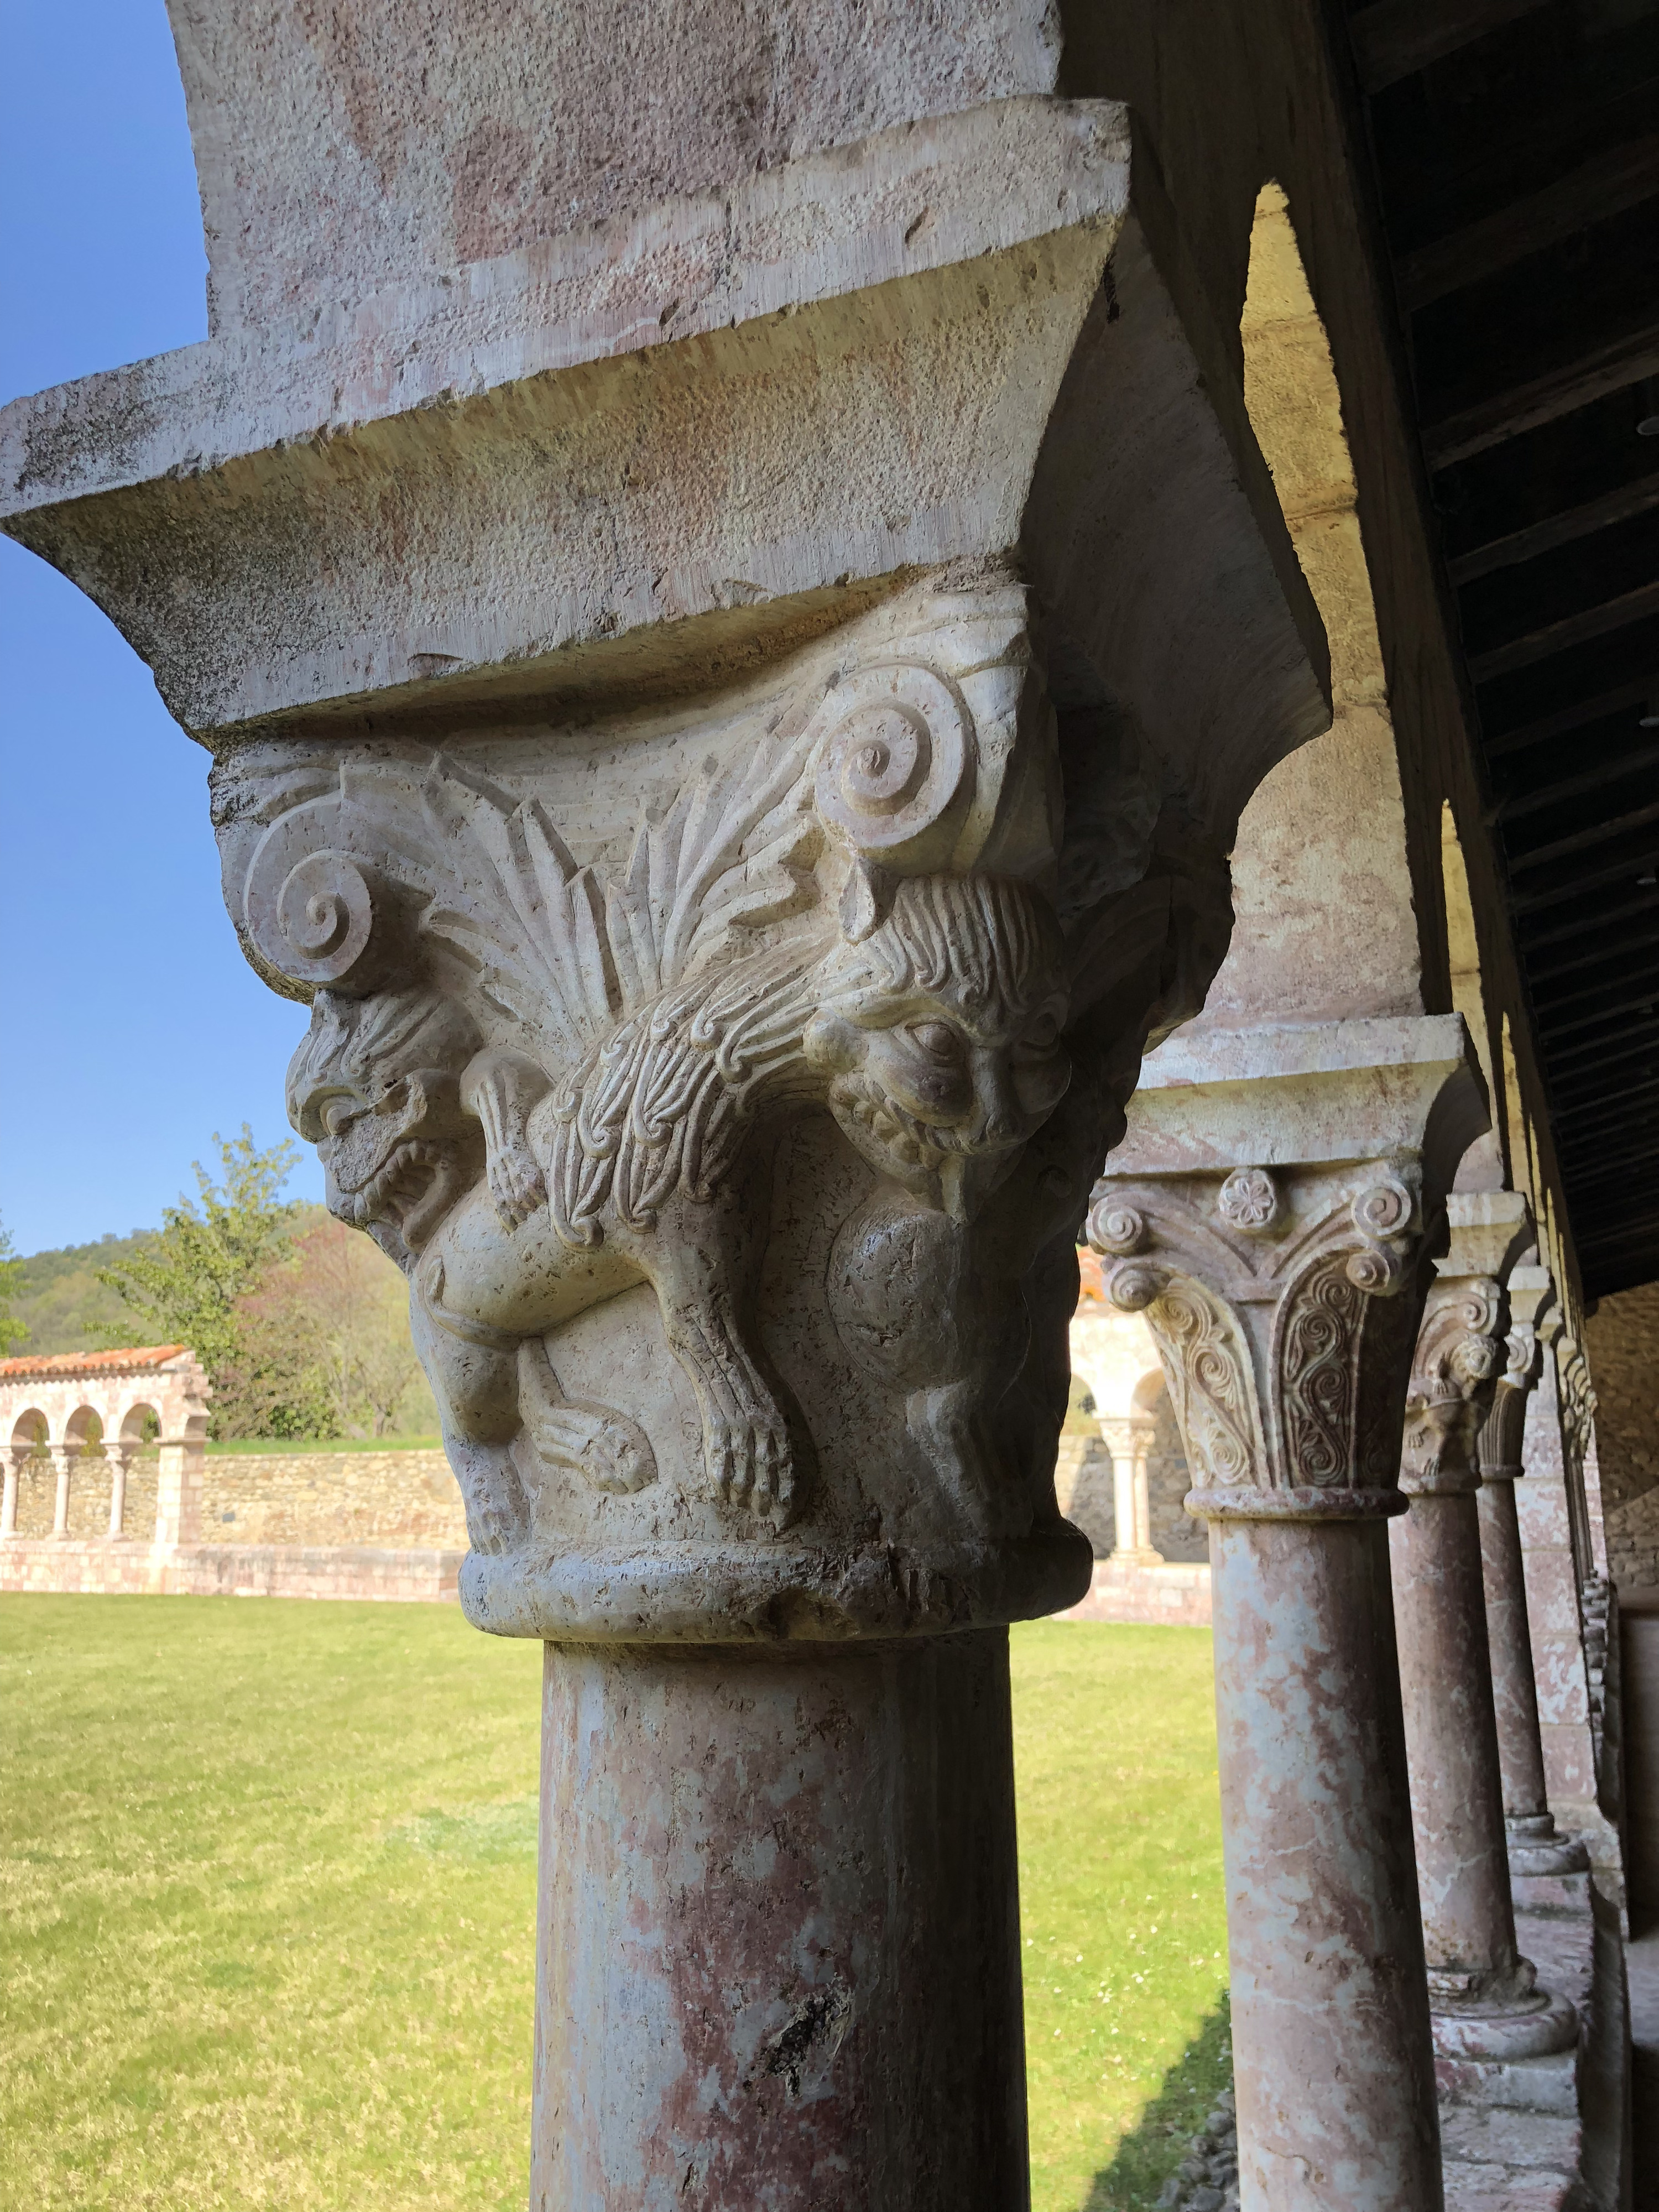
<point>537,1081</point>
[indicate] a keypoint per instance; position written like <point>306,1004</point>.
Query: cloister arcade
<point>104,1445</point>
<point>968,631</point>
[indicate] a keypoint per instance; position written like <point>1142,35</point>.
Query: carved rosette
<point>731,1123</point>
<point>1281,1304</point>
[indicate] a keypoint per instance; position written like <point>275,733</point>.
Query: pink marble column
<point>1284,1298</point>
<point>14,1457</point>
<point>1535,1845</point>
<point>778,1958</point>
<point>1485,1997</point>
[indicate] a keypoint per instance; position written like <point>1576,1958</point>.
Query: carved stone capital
<point>1530,1291</point>
<point>1281,1280</point>
<point>1461,1344</point>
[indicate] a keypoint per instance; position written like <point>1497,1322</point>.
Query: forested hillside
<point>304,1324</point>
<point>61,1303</point>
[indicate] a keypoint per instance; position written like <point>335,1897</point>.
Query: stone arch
<point>1326,926</point>
<point>141,1423</point>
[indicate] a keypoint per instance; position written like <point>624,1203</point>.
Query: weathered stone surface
<point>1279,1257</point>
<point>768,1880</point>
<point>1484,1994</point>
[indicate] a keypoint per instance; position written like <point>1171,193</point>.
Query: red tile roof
<point>120,1360</point>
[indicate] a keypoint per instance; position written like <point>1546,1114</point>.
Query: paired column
<point>64,1457</point>
<point>1285,1295</point>
<point>1536,1847</point>
<point>1484,1995</point>
<point>1129,1440</point>
<point>119,1457</point>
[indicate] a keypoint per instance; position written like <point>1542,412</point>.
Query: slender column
<point>794,1970</point>
<point>13,1468</point>
<point>1484,1994</point>
<point>119,1457</point>
<point>1284,1300</point>
<point>64,1457</point>
<point>1535,1845</point>
<point>1129,1440</point>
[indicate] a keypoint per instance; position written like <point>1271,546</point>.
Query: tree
<point>12,1331</point>
<point>211,1250</point>
<point>325,1348</point>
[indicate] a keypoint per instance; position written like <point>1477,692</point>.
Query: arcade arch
<point>78,1421</point>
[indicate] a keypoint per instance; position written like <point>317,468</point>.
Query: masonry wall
<point>399,1500</point>
<point>1622,1340</point>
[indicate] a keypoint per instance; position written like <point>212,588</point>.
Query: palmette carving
<point>1276,1304</point>
<point>555,1059</point>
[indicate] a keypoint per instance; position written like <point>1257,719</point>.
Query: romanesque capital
<point>686,720</point>
<point>1531,1295</point>
<point>1271,1212</point>
<point>1461,1342</point>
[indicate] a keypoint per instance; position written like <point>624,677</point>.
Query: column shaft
<point>1451,1735</point>
<point>64,1460</point>
<point>1332,2060</point>
<point>118,1488</point>
<point>779,1946</point>
<point>8,1500</point>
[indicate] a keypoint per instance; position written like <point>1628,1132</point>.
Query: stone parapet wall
<point>1622,1339</point>
<point>400,1499</point>
<point>1175,1594</point>
<point>73,1568</point>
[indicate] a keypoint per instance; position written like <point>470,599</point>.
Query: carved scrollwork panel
<point>1206,1360</point>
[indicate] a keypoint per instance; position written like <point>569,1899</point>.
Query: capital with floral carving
<point>1531,1296</point>
<point>1461,1344</point>
<point>1271,1212</point>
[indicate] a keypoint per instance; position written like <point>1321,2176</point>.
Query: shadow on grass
<point>1146,2159</point>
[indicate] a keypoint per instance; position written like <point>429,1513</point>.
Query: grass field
<point>266,1876</point>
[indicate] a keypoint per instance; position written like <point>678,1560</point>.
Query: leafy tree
<point>12,1331</point>
<point>211,1250</point>
<point>325,1349</point>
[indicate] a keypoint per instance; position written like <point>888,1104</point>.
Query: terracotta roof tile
<point>120,1360</point>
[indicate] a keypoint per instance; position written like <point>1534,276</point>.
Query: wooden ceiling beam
<point>1613,825</point>
<point>1618,177</point>
<point>1550,638</point>
<point>1572,787</point>
<point>1623,357</point>
<point>1543,537</point>
<point>1640,692</point>
<point>1393,38</point>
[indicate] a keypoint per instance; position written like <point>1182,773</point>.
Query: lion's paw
<point>751,1465</point>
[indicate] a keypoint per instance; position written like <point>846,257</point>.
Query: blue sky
<point>133,1028</point>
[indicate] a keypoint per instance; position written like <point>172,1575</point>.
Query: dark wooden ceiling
<point>1515,152</point>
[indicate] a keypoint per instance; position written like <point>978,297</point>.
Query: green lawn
<point>266,1877</point>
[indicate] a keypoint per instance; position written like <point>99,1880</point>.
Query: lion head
<point>375,1086</point>
<point>939,1034</point>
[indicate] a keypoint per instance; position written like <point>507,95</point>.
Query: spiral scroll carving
<point>896,756</point>
<point>1319,1377</point>
<point>1205,1363</point>
<point>1117,1228</point>
<point>309,906</point>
